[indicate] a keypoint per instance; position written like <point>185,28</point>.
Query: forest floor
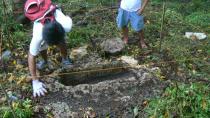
<point>167,78</point>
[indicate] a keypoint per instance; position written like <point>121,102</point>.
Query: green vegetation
<point>190,57</point>
<point>22,109</point>
<point>181,100</point>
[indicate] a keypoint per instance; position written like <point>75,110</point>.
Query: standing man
<point>131,11</point>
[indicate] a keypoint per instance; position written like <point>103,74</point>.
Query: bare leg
<point>66,62</point>
<point>42,64</point>
<point>44,55</point>
<point>125,34</point>
<point>142,43</point>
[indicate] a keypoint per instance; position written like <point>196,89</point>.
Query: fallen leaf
<point>21,79</point>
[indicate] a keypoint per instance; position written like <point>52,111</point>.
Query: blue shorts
<point>136,20</point>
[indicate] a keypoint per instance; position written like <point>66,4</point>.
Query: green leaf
<point>136,111</point>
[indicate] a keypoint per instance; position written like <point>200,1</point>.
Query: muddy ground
<point>112,93</point>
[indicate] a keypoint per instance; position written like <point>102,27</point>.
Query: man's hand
<point>140,11</point>
<point>38,88</point>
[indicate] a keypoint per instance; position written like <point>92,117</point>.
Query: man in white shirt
<point>131,11</point>
<point>51,33</point>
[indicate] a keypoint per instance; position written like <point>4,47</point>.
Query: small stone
<point>3,99</point>
<point>129,60</point>
<point>125,98</point>
<point>6,56</point>
<point>11,96</point>
<point>79,53</point>
<point>90,113</point>
<point>38,108</point>
<point>74,115</point>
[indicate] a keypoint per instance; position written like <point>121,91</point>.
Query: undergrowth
<point>21,109</point>
<point>178,100</point>
<point>181,101</point>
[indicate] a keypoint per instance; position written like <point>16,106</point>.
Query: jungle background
<point>184,62</point>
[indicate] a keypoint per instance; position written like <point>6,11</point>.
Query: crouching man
<point>49,28</point>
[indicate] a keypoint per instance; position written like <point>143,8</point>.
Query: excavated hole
<point>93,77</point>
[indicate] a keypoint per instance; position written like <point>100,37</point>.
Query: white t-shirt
<point>37,43</point>
<point>130,5</point>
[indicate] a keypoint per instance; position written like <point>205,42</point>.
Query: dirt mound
<point>103,92</point>
<point>113,95</point>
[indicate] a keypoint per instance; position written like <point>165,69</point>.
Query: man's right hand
<point>39,89</point>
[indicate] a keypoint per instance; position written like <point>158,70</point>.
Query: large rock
<point>59,110</point>
<point>112,46</point>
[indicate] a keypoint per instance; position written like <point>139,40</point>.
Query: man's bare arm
<point>38,87</point>
<point>32,66</point>
<point>144,3</point>
<point>140,11</point>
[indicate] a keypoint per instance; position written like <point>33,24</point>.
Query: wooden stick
<point>162,25</point>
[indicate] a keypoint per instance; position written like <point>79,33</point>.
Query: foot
<point>41,65</point>
<point>143,45</point>
<point>66,63</point>
<point>125,40</point>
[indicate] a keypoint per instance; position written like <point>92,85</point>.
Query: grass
<point>22,109</point>
<point>179,99</point>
